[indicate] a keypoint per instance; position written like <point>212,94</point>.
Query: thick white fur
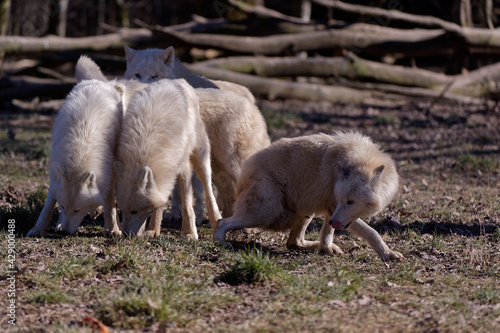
<point>162,138</point>
<point>344,176</point>
<point>154,64</point>
<point>86,69</point>
<point>81,167</point>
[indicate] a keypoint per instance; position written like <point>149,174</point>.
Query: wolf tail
<point>86,69</point>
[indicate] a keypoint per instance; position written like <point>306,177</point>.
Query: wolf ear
<point>168,56</point>
<point>89,179</point>
<point>119,167</point>
<point>146,178</point>
<point>377,174</point>
<point>129,53</point>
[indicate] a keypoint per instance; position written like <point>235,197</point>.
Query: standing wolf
<point>82,155</point>
<point>235,126</point>
<point>162,138</point>
<point>153,64</point>
<point>344,176</point>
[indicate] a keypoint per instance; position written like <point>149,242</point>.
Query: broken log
<point>275,88</point>
<point>350,66</point>
<point>356,36</point>
<point>12,44</point>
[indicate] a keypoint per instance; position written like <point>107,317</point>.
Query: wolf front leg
<point>154,227</point>
<point>111,222</point>
<point>45,216</point>
<point>364,231</point>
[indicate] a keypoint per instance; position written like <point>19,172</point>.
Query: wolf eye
<point>133,212</point>
<point>77,210</point>
<point>350,202</point>
<point>137,75</point>
<point>154,77</point>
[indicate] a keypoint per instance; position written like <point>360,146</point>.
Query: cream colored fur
<point>344,176</point>
<point>154,64</point>
<point>236,130</point>
<point>162,138</point>
<point>86,69</point>
<point>81,166</point>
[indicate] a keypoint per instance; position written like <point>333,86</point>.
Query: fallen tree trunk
<point>10,44</point>
<point>472,36</point>
<point>274,88</point>
<point>366,93</point>
<point>357,36</point>
<point>350,66</point>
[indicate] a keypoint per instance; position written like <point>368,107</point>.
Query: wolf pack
<point>162,132</point>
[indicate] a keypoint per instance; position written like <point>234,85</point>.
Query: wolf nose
<point>336,224</point>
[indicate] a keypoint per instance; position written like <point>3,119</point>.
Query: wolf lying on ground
<point>153,64</point>
<point>345,177</point>
<point>162,138</point>
<point>82,154</point>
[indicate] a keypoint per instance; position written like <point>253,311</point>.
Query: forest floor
<point>445,220</point>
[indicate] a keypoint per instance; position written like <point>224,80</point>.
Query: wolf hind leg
<point>234,223</point>
<point>296,239</point>
<point>186,190</point>
<point>372,237</point>
<point>201,164</point>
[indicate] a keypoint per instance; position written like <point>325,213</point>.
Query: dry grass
<point>445,221</point>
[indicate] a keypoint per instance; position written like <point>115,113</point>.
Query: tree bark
<point>356,36</point>
<point>350,66</point>
<point>10,44</point>
<point>4,16</point>
<point>274,88</point>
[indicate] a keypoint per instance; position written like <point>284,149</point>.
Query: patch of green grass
<point>472,162</point>
<point>385,120</point>
<point>26,214</point>
<point>278,119</point>
<point>54,296</point>
<point>73,267</point>
<point>253,266</point>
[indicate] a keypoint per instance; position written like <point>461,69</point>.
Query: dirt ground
<point>448,158</point>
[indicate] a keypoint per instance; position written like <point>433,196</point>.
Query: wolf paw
<point>35,232</point>
<point>331,249</point>
<point>392,255</point>
<point>151,233</point>
<point>190,237</point>
<point>112,233</point>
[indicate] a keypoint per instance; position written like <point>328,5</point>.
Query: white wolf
<point>154,64</point>
<point>235,127</point>
<point>236,130</point>
<point>86,69</point>
<point>226,116</point>
<point>344,176</point>
<point>162,138</point>
<point>81,166</point>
